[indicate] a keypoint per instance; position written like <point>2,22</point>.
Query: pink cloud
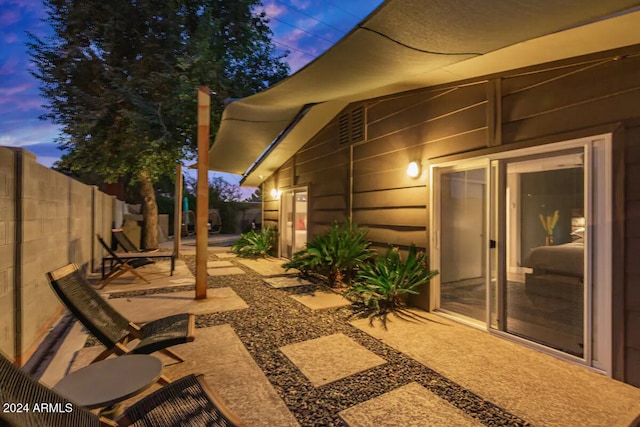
<point>21,136</point>
<point>301,4</point>
<point>273,9</point>
<point>11,91</point>
<point>9,66</point>
<point>9,17</point>
<point>11,38</point>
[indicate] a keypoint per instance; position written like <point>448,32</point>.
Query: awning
<point>409,44</point>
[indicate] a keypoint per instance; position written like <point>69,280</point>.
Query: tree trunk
<point>149,212</point>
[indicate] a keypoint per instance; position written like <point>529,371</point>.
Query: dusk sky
<point>304,27</point>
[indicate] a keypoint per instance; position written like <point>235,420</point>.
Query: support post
<point>177,212</point>
<point>202,208</point>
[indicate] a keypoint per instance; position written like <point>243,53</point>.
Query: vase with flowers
<point>548,224</point>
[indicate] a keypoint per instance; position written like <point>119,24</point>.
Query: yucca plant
<point>334,254</point>
<point>256,243</point>
<point>384,283</point>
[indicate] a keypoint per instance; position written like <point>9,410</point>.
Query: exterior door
<point>522,240</point>
<point>293,221</point>
<point>462,240</point>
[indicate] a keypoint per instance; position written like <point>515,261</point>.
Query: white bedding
<point>561,259</point>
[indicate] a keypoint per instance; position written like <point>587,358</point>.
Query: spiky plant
<point>334,254</point>
<point>384,283</point>
<point>256,243</point>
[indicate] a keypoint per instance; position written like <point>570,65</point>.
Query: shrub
<point>334,254</point>
<point>384,283</point>
<point>256,243</point>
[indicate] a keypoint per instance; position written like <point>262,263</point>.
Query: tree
<point>255,197</point>
<point>120,78</point>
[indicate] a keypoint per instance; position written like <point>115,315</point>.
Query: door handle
<point>492,244</point>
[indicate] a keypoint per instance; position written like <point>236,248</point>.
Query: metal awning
<point>409,44</point>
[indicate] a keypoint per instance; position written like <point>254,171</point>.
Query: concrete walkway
<point>536,387</point>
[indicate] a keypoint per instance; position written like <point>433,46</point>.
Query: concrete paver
<point>146,308</point>
<point>266,266</point>
<point>287,281</point>
<point>405,406</point>
<point>224,271</point>
<point>328,359</point>
<point>321,300</point>
<point>228,369</point>
<point>216,264</point>
<point>226,255</point>
<point>532,385</point>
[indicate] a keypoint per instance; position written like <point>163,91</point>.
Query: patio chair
<point>19,388</point>
<point>112,329</point>
<point>133,252</point>
<point>119,265</point>
<point>186,401</point>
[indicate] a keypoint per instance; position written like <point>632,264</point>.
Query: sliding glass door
<point>545,221</point>
<point>461,239</point>
<point>522,240</point>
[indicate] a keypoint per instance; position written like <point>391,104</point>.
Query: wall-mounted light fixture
<point>276,193</point>
<point>413,170</point>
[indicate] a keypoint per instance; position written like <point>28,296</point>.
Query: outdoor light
<point>276,193</point>
<point>413,170</point>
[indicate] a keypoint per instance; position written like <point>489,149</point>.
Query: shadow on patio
<point>283,352</point>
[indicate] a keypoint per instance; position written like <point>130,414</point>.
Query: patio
<point>286,352</point>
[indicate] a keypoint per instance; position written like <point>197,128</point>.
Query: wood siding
<point>539,105</point>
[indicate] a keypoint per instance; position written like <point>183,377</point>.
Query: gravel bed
<point>274,320</point>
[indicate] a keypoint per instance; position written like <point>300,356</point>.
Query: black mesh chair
<point>133,252</point>
<point>185,402</point>
<point>19,388</point>
<point>119,265</point>
<point>112,329</point>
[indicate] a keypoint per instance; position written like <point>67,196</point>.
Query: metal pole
<point>202,208</point>
<point>177,212</point>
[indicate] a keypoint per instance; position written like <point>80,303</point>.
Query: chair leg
<point>104,282</point>
<point>164,380</point>
<point>119,349</point>
<point>172,355</point>
<point>132,270</point>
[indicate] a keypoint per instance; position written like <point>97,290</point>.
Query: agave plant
<point>335,254</point>
<point>384,283</point>
<point>256,243</point>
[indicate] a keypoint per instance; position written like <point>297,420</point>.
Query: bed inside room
<point>546,251</point>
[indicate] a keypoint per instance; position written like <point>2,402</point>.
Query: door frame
<point>598,246</point>
<point>436,170</point>
<point>281,222</point>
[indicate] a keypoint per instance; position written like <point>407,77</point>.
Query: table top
<point>110,381</point>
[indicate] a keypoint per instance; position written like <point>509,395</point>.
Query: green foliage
<point>120,78</point>
<point>384,283</point>
<point>256,243</point>
<point>334,255</point>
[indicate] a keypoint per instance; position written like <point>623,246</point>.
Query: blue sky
<point>304,27</point>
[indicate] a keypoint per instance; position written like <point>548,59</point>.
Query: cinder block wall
<point>55,224</point>
<point>7,250</point>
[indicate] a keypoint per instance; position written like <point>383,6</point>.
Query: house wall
<point>49,220</point>
<point>574,98</point>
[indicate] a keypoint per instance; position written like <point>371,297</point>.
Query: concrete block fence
<point>47,220</point>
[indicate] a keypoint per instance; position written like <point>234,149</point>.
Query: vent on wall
<point>351,126</point>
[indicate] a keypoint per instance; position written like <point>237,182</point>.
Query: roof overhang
<point>405,45</point>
